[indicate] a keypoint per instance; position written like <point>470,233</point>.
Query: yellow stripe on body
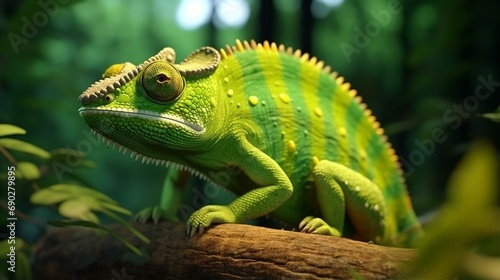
<point>268,58</point>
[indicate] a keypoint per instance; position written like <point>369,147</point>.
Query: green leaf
<point>116,208</point>
<point>125,242</point>
<point>23,269</point>
<point>22,146</point>
<point>473,183</point>
<point>495,116</point>
<point>127,225</point>
<point>58,192</point>
<point>4,248</point>
<point>96,226</point>
<point>77,209</point>
<point>77,202</point>
<point>74,223</point>
<point>48,197</point>
<point>27,170</point>
<point>88,164</point>
<point>81,191</point>
<point>8,129</point>
<point>482,267</point>
<point>468,217</point>
<point>492,116</point>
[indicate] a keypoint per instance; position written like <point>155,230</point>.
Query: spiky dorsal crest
<point>319,64</point>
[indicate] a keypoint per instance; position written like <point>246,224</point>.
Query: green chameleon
<point>272,125</point>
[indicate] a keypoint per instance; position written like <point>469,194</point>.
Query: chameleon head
<point>157,105</point>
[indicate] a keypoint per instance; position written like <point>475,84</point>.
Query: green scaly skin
<point>273,126</point>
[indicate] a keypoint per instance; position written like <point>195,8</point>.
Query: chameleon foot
<point>208,215</point>
<point>191,230</point>
<point>155,214</point>
<point>314,225</point>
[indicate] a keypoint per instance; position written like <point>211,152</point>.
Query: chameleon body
<point>270,124</point>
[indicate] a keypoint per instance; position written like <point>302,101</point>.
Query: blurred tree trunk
<point>306,26</point>
<point>267,16</point>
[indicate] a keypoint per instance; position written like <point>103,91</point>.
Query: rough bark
<point>228,251</point>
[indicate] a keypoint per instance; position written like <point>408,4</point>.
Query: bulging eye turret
<point>162,82</point>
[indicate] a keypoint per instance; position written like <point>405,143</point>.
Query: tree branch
<point>227,251</point>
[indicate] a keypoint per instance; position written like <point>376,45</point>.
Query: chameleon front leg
<point>275,189</point>
<point>342,190</point>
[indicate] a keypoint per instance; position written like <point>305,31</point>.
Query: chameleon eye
<point>109,97</point>
<point>162,82</point>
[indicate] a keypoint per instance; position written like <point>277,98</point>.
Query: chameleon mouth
<point>150,160</point>
<point>143,114</point>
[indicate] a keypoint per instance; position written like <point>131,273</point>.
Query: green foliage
<point>107,230</point>
<point>77,202</point>
<point>27,170</point>
<point>18,145</point>
<point>74,201</point>
<point>495,116</point>
<point>8,129</point>
<point>468,222</point>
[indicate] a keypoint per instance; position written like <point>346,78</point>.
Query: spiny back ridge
<point>319,64</point>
